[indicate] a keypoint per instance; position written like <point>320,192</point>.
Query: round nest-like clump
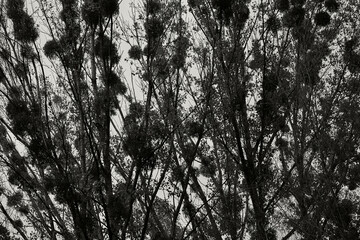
<point>27,52</point>
<point>24,29</point>
<point>14,8</point>
<point>271,82</point>
<point>135,52</point>
<point>105,48</point>
<point>298,2</point>
<point>332,5</point>
<point>111,78</point>
<point>294,17</point>
<point>154,28</point>
<point>273,23</point>
<point>153,6</point>
<point>91,13</point>
<point>51,48</point>
<point>114,81</point>
<point>109,7</point>
<point>282,5</point>
<point>322,18</point>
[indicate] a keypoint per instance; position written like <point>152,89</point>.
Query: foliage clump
<point>298,2</point>
<point>231,11</point>
<point>224,10</point>
<point>19,113</point>
<point>24,28</point>
<point>241,14</point>
<point>68,13</point>
<point>304,34</point>
<point>273,23</point>
<point>18,223</point>
<point>135,52</point>
<point>109,7</point>
<point>52,48</point>
<point>14,199</point>
<point>153,6</point>
<point>23,209</point>
<point>115,83</point>
<point>137,144</point>
<point>341,213</point>
<point>267,109</point>
<point>271,82</point>
<point>182,44</point>
<point>23,24</point>
<point>21,69</point>
<point>282,5</point>
<point>27,52</point>
<point>111,78</point>
<point>351,57</point>
<point>154,28</point>
<point>15,8</point>
<point>294,17</point>
<point>93,11</point>
<point>195,128</point>
<point>106,49</point>
<point>322,19</point>
<point>2,76</point>
<point>258,58</point>
<point>332,5</point>
<point>194,3</point>
<point>208,166</point>
<point>4,233</point>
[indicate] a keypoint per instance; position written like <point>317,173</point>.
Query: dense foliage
<point>167,119</point>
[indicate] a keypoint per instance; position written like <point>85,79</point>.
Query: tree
<point>186,120</point>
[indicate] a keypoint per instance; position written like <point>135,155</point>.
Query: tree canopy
<point>174,119</point>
